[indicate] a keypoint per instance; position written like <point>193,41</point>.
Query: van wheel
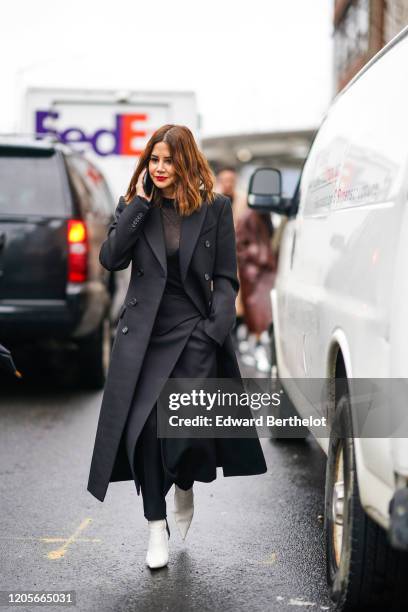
<point>363,571</point>
<point>94,356</point>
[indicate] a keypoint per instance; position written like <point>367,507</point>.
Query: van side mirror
<point>265,192</point>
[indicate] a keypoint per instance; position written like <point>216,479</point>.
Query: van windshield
<point>30,184</point>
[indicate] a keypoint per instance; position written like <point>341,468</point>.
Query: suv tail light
<point>77,251</point>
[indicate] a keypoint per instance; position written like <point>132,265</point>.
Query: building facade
<point>361,29</point>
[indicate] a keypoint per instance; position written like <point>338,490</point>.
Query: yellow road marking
<point>60,552</point>
<point>49,540</point>
<point>270,560</point>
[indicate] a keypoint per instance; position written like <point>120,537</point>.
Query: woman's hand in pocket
<point>200,328</point>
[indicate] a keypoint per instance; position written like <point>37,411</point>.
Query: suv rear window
<point>30,183</point>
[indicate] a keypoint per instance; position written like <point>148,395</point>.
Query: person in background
<point>226,184</point>
<point>257,266</point>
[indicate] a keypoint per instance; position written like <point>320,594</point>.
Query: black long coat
<point>208,270</point>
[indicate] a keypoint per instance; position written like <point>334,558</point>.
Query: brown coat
<point>257,266</point>
<point>239,207</point>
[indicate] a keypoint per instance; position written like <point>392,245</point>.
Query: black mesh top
<point>172,228</point>
<point>176,307</point>
<point>171,224</point>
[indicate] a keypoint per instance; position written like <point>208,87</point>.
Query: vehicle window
<point>81,192</point>
<point>30,184</point>
<point>321,171</point>
<point>377,153</point>
<point>359,155</point>
<point>95,184</point>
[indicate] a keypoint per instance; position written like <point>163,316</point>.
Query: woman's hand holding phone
<point>143,184</point>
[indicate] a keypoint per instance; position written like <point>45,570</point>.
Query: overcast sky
<point>255,65</point>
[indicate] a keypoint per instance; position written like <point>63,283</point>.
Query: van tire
<point>363,572</point>
<point>93,356</point>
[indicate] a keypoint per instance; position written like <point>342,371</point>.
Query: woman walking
<point>175,323</point>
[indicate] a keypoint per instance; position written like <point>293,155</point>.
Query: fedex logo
<point>126,129</point>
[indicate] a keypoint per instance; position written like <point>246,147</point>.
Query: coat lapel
<point>190,230</point>
<point>153,230</point>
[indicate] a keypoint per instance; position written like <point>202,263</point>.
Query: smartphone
<point>147,183</point>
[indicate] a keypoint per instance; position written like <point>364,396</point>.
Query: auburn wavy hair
<point>195,180</point>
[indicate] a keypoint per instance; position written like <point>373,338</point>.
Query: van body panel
<point>342,277</point>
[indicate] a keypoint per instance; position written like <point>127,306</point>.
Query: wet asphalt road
<point>256,543</point>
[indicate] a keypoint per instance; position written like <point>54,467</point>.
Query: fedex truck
<point>112,127</point>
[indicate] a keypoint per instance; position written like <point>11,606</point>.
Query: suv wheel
<point>363,571</point>
<point>94,356</point>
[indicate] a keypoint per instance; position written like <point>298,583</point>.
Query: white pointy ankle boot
<point>158,548</point>
<point>183,509</point>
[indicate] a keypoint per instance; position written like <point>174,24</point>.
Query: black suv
<point>55,209</point>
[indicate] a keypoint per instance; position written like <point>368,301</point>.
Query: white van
<point>340,310</point>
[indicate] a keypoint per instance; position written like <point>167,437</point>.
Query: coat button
<point>132,302</point>
<point>207,243</point>
<point>207,276</point>
<point>125,329</point>
<point>140,272</point>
